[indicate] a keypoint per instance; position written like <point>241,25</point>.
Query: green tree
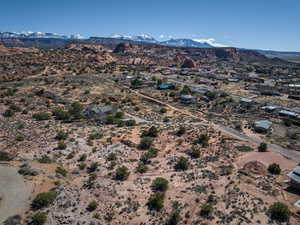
<point>160,184</point>
<point>39,218</point>
<point>274,169</point>
<point>122,173</point>
<point>263,147</point>
<point>280,212</point>
<point>145,143</point>
<point>182,164</point>
<point>43,200</point>
<point>156,201</point>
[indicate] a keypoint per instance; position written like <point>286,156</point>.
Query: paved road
<point>14,193</point>
<point>286,152</point>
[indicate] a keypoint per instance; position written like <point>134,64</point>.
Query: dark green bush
<point>5,156</point>
<point>274,169</point>
<point>146,143</point>
<point>41,116</point>
<point>156,201</point>
<point>194,153</point>
<point>61,114</point>
<point>8,113</point>
<point>92,206</point>
<point>60,170</point>
<point>152,132</point>
<point>174,218</point>
<point>43,200</point>
<point>263,147</point>
<point>39,218</point>
<point>61,135</point>
<point>280,212</point>
<point>122,173</point>
<point>61,145</point>
<point>130,123</point>
<point>182,164</point>
<point>142,168</point>
<point>206,210</point>
<point>160,184</point>
<point>181,131</point>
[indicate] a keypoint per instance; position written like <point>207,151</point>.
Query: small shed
<point>295,178</point>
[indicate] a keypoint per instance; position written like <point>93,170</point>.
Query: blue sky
<point>261,24</point>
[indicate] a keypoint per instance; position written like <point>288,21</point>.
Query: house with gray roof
<point>295,178</point>
<point>99,112</point>
<point>262,126</point>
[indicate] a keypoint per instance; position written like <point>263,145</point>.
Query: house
<point>99,112</point>
<point>270,108</point>
<point>246,101</point>
<point>187,98</point>
<point>295,178</point>
<point>166,86</point>
<point>289,114</point>
<point>262,126</point>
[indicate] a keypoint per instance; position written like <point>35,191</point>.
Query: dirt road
<point>14,192</point>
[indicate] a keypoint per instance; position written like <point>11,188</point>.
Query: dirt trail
<point>14,192</point>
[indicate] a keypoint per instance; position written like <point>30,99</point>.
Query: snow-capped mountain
<point>142,38</point>
<point>186,43</point>
<point>29,34</point>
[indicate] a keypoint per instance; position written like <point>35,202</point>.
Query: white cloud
<point>210,41</point>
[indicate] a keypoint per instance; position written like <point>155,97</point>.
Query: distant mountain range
<point>143,38</point>
<point>29,34</point>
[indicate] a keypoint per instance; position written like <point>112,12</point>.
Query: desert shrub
<point>61,135</point>
<point>142,168</point>
<point>203,140</point>
<point>274,169</point>
<point>19,138</point>
<point>8,113</point>
<point>182,164</point>
<point>152,132</point>
<point>119,115</point>
<point>185,90</point>
<point>15,108</point>
<point>5,156</point>
<point>163,110</point>
<point>174,218</point>
<point>145,143</point>
<point>43,200</point>
<point>206,210</point>
<point>130,123</point>
<point>95,135</point>
<point>151,153</point>
<point>60,170</point>
<point>82,158</point>
<point>45,159</point>
<point>112,156</point>
<point>194,153</point>
<point>160,184</point>
<point>41,116</point>
<point>76,110</point>
<point>61,114</point>
<point>122,173</point>
<point>93,167</point>
<point>244,148</point>
<point>181,131</point>
<point>92,206</point>
<point>39,218</point>
<point>110,119</point>
<point>280,212</point>
<point>61,145</point>
<point>156,201</point>
<point>263,147</point>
